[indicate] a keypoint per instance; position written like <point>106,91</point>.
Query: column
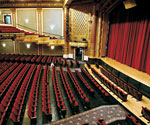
<point>98,36</point>
<point>39,21</point>
<point>14,17</point>
<point>104,35</point>
<point>93,33</point>
<point>66,33</point>
<point>39,27</point>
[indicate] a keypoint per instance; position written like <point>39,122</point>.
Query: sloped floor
<point>95,101</point>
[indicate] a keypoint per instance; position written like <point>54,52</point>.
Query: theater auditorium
<point>74,62</point>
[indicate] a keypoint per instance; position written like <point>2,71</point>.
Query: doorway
<point>78,53</point>
<point>7,19</point>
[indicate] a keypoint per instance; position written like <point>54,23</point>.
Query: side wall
<point>37,20</point>
<point>89,23</point>
<point>12,47</point>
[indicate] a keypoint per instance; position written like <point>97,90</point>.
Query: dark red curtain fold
<point>129,38</point>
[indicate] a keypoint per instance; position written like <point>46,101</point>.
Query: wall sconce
<point>52,26</point>
<point>90,18</point>
<point>52,47</point>
<point>4,44</point>
<point>26,20</point>
<point>28,45</point>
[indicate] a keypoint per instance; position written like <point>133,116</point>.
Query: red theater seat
<point>146,113</point>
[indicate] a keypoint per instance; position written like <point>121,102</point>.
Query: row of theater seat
<point>60,61</point>
<point>46,74</point>
<point>48,60</point>
<point>10,29</point>
<point>65,62</point>
<point>71,62</point>
<point>18,58</point>
<point>131,120</point>
<point>88,87</point>
<point>88,64</point>
<point>135,93</point>
<point>7,82</point>
<point>33,99</point>
<point>20,102</point>
<point>10,68</point>
<point>78,63</point>
<point>58,95</point>
<point>98,86</point>
<point>146,113</point>
<point>2,65</point>
<point>39,59</point>
<point>27,58</point>
<point>97,65</point>
<point>74,104</point>
<point>82,95</point>
<point>121,94</point>
<point>54,60</point>
<point>5,67</point>
<point>46,107</point>
<point>43,60</point>
<point>34,59</point>
<point>10,96</point>
<point>22,58</point>
<point>100,121</point>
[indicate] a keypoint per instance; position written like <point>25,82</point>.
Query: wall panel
<point>52,21</point>
<point>27,18</point>
<point>32,50</point>
<point>57,51</point>
<point>78,25</point>
<point>9,46</point>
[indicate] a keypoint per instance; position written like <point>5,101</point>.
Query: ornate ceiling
<point>31,3</point>
<point>50,3</point>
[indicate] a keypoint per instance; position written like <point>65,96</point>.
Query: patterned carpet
<point>109,114</point>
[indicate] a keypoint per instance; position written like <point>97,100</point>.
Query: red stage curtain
<point>129,38</point>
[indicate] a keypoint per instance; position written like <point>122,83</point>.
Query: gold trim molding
<point>56,42</point>
<point>78,44</point>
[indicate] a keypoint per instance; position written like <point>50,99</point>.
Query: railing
<point>44,33</point>
<point>34,30</point>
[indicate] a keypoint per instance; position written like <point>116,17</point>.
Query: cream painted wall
<point>52,21</point>
<point>28,18</point>
<point>6,46</point>
<point>57,51</point>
